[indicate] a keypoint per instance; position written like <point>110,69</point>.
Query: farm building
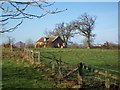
<point>8,45</point>
<point>53,42</point>
<point>19,44</point>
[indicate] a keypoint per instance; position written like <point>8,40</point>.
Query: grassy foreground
<point>23,75</point>
<point>17,74</point>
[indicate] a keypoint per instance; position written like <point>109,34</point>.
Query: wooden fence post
<point>107,80</point>
<point>29,55</point>
<point>80,74</point>
<point>53,66</point>
<point>32,56</point>
<point>24,55</point>
<point>60,69</point>
<point>39,58</point>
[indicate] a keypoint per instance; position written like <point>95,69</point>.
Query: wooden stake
<point>79,80</point>
<point>107,80</point>
<point>39,58</point>
<point>80,74</point>
<point>53,66</point>
<point>24,55</point>
<point>32,57</point>
<point>29,56</point>
<point>59,68</point>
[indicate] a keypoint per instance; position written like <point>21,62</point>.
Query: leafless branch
<point>16,10</point>
<point>11,29</point>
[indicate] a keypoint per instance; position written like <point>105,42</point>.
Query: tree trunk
<point>88,42</point>
<point>66,44</point>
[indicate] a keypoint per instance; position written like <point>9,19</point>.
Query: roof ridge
<point>50,38</point>
<point>55,38</point>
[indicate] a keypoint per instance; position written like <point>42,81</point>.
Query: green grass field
<point>95,57</point>
<point>17,74</point>
<point>23,75</point>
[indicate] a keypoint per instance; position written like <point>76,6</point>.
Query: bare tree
<point>10,40</point>
<point>48,32</point>
<point>60,31</point>
<point>85,24</point>
<point>29,43</point>
<point>69,32</point>
<point>19,10</point>
<point>64,30</point>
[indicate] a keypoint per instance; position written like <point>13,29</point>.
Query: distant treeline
<point>100,46</point>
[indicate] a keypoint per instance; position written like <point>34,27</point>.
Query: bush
<point>74,45</point>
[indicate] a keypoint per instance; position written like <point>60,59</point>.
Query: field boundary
<point>57,67</point>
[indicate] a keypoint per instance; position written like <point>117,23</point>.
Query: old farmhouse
<point>53,42</point>
<point>19,44</point>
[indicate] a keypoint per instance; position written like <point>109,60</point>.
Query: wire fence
<point>81,75</point>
